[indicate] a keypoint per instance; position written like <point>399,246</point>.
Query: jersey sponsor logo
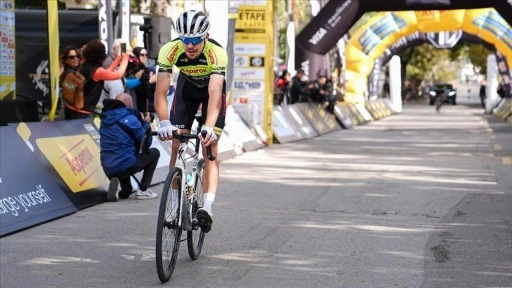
<point>212,57</point>
<point>194,70</point>
<point>217,69</point>
<point>172,54</point>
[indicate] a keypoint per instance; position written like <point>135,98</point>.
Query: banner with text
<point>253,61</point>
<point>7,64</point>
<point>30,195</point>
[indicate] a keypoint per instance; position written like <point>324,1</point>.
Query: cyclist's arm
<point>215,101</point>
<point>163,81</point>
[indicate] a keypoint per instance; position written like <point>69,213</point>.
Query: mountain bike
<point>181,197</point>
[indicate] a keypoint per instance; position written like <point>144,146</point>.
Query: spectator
<point>482,93</point>
<point>70,63</point>
<point>112,88</point>
<point>321,91</point>
<point>299,90</point>
<point>114,53</point>
<point>282,88</point>
<point>142,91</point>
<point>121,132</point>
<point>92,70</point>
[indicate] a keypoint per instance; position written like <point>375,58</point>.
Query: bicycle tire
<point>195,237</point>
<point>167,249</point>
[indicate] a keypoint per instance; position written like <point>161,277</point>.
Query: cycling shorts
<point>186,101</point>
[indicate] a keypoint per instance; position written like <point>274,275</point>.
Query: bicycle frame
<point>181,164</point>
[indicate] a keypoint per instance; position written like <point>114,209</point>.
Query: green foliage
<point>301,15</point>
<point>427,63</point>
<point>474,53</point>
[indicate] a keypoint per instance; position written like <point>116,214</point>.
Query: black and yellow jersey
<point>212,60</point>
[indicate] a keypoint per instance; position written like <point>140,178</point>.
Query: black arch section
<point>419,38</point>
<point>412,40</point>
<point>337,16</point>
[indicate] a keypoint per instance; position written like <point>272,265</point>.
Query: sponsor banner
<point>29,194</point>
<point>7,50</point>
<point>318,117</point>
<point>384,29</point>
<point>373,79</point>
<point>249,73</point>
<point>283,127</point>
<point>76,158</point>
<point>505,10</point>
<point>322,34</point>
<point>106,30</point>
<point>328,26</point>
<point>342,118</point>
<point>301,122</point>
<point>253,76</point>
<point>504,71</point>
<point>249,85</point>
<point>32,70</point>
<point>240,133</point>
<point>250,49</point>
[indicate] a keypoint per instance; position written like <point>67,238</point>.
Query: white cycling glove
<point>165,129</point>
<point>209,132</point>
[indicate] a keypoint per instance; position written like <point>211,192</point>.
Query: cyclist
<point>202,63</point>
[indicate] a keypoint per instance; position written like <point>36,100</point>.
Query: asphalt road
<point>418,199</point>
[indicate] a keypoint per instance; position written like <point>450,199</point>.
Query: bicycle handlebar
<point>209,154</point>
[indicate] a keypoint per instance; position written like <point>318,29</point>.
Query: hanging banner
<point>504,71</point>
<point>124,20</point>
<point>322,34</point>
<point>7,51</point>
<point>253,61</point>
<point>232,15</point>
<point>106,30</point>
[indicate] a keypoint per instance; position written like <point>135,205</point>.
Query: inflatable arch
<point>370,41</point>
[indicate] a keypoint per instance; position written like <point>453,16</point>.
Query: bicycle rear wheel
<point>195,237</point>
<point>168,233</point>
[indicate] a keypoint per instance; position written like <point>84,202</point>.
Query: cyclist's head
<point>192,24</point>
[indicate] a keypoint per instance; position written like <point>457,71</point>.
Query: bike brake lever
<point>208,149</point>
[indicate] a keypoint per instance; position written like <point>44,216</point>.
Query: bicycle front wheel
<point>168,231</point>
<point>195,237</point>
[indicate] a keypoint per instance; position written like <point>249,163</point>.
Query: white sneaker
<point>143,195</point>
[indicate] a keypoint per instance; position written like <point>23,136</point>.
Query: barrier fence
<point>52,169</point>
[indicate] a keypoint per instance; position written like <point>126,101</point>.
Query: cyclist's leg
<point>211,168</point>
<point>183,110</point>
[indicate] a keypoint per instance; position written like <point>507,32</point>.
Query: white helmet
<point>192,23</point>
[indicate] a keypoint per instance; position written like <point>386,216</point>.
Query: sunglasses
<point>143,54</point>
<point>72,57</point>
<point>193,40</point>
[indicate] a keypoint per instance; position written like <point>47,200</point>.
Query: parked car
<point>448,90</point>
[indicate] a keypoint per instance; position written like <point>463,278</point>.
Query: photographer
<point>121,132</point>
<point>321,91</point>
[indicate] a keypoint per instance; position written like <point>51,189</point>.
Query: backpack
<point>73,89</point>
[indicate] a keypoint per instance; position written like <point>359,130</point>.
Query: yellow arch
<point>385,28</point>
